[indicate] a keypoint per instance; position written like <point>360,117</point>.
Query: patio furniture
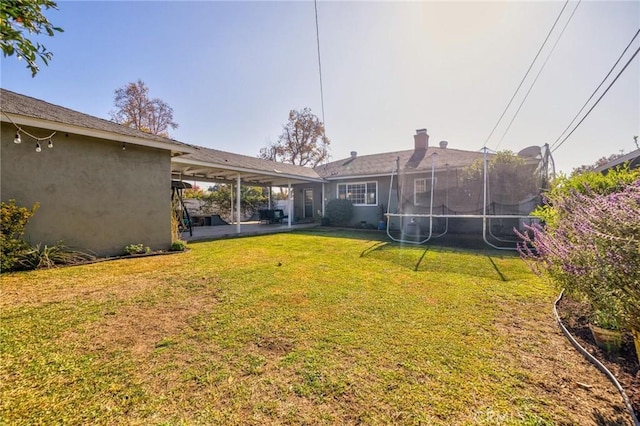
<point>269,216</point>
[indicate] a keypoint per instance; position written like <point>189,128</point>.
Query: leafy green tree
<point>251,199</point>
<point>18,16</point>
<point>135,109</point>
<point>302,141</point>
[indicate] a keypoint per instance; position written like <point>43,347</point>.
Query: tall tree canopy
<point>135,109</point>
<point>17,16</point>
<point>302,141</point>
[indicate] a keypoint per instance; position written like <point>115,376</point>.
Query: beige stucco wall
<point>93,194</point>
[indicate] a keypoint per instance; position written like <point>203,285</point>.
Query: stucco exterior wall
<point>93,195</point>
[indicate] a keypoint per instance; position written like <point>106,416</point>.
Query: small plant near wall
<point>50,256</point>
<point>382,224</point>
<point>178,245</point>
<point>132,249</point>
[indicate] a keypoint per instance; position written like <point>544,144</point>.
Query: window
<point>422,191</point>
<point>360,193</point>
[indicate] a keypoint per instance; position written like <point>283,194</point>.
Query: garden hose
<point>594,361</point>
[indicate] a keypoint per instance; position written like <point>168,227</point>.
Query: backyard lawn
<point>298,328</point>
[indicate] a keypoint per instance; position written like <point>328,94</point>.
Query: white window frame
<point>367,183</point>
<point>415,192</point>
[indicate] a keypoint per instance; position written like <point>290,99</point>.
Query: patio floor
<point>246,229</point>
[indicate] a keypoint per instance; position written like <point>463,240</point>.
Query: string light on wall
<point>18,138</point>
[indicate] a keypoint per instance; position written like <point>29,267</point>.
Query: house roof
<point>200,163</point>
<point>418,161</point>
<point>27,111</point>
<point>633,158</point>
<point>212,164</point>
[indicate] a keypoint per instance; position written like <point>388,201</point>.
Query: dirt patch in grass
<point>549,363</point>
<point>624,365</point>
<point>274,345</point>
<point>140,329</point>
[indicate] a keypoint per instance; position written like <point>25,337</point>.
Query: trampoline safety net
<point>492,195</point>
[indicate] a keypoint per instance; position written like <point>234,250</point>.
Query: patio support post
<point>269,195</point>
<point>231,196</point>
<point>238,203</point>
<point>290,204</point>
<point>323,199</point>
<point>484,193</point>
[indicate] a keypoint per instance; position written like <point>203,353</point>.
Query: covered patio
<point>210,165</point>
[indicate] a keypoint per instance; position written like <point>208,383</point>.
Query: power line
<point>597,88</point>
<point>538,75</point>
<point>601,96</point>
<point>315,5</point>
<point>526,74</point>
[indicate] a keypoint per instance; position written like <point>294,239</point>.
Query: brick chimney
<point>421,139</point>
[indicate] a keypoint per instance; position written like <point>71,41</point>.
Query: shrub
<point>593,249</point>
<point>14,219</point>
<point>178,245</point>
<point>339,211</point>
<point>587,182</point>
<point>132,249</point>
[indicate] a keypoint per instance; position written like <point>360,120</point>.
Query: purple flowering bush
<point>592,249</point>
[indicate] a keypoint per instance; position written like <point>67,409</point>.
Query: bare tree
<point>135,109</point>
<point>302,141</point>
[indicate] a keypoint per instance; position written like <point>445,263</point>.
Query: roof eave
<point>101,134</point>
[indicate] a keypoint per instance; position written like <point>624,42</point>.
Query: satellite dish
<point>531,151</point>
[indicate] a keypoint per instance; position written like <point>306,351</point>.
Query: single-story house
<point>100,185</point>
<point>424,180</point>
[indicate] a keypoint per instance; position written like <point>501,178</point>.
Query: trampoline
<point>493,197</point>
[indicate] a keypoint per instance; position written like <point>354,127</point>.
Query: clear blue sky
<point>232,70</point>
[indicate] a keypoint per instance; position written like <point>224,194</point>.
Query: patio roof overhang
<point>208,171</point>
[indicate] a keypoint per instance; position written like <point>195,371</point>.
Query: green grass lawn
<point>300,328</point>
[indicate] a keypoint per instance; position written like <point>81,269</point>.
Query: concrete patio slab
<point>201,233</point>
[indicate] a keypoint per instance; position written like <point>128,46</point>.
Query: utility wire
<point>597,88</point>
<point>315,5</point>
<point>538,75</point>
<point>601,96</point>
<point>526,74</point>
